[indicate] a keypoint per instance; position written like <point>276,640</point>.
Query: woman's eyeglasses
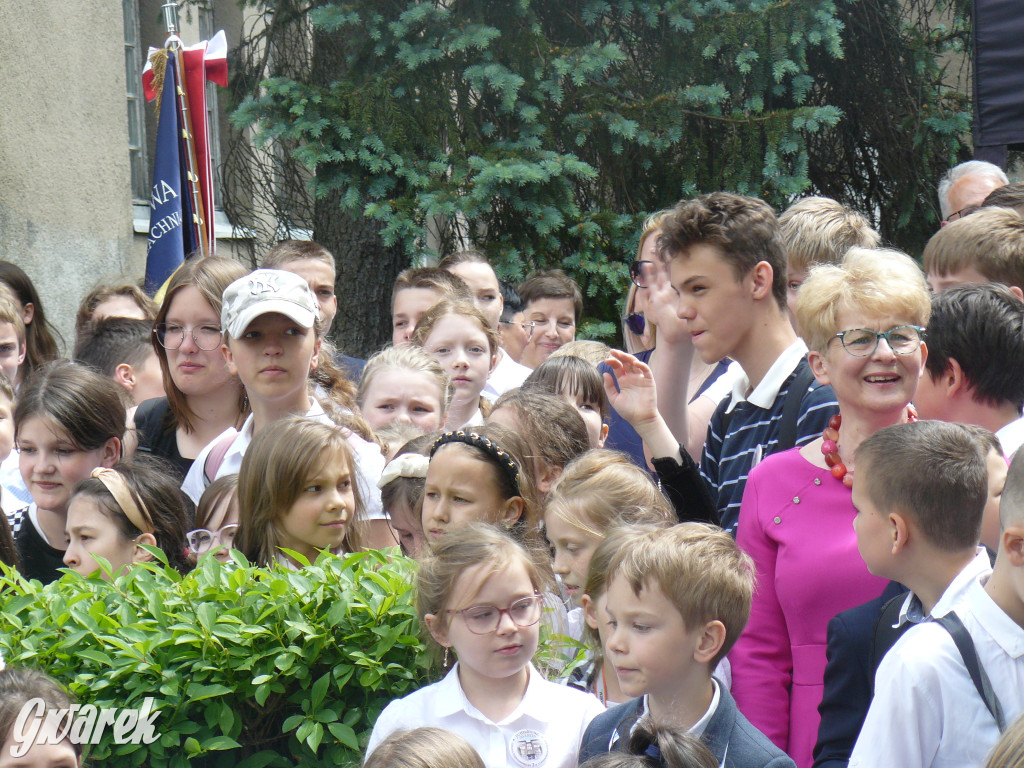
<point>527,327</point>
<point>171,336</point>
<point>862,342</point>
<point>200,541</point>
<point>485,619</point>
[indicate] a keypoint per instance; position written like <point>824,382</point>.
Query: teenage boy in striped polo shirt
<point>727,262</point>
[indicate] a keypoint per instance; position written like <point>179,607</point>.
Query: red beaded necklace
<point>830,448</point>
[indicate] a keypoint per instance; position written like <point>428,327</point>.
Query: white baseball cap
<point>263,292</point>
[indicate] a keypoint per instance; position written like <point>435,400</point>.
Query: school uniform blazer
<point>734,742</point>
<point>848,678</point>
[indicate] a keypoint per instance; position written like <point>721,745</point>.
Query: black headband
<point>505,461</point>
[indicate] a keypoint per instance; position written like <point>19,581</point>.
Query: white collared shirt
<point>926,712</point>
<point>368,459</point>
<point>548,723</point>
<point>724,384</point>
<point>979,567</point>
<point>507,374</point>
<point>764,394</point>
<point>696,730</point>
<point>1011,437</point>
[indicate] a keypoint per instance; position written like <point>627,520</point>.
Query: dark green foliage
<point>543,132</point>
<point>248,666</point>
<point>902,87</point>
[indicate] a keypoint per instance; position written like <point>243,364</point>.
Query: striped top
<point>753,431</point>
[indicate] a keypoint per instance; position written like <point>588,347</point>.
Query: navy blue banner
<point>169,240</point>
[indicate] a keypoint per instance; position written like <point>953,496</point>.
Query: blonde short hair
<point>879,282</point>
<point>446,307</point>
<point>698,568</point>
<point>594,352</point>
<point>991,240</point>
<point>411,357</point>
<point>1009,750</point>
<point>9,313</point>
<point>602,489</point>
<point>424,747</point>
<point>818,230</point>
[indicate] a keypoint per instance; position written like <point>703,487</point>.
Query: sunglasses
<point>636,323</point>
<point>641,273</point>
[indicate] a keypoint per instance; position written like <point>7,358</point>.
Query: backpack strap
<point>952,624</point>
<point>791,408</point>
<point>886,633</point>
<point>216,457</point>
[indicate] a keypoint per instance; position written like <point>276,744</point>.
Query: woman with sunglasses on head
<point>203,397</point>
<point>651,314</point>
<point>863,322</point>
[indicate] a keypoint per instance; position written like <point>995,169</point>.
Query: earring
<point>444,661</point>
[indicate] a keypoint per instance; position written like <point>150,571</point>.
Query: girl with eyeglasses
<point>863,322</point>
<point>479,595</point>
<point>216,520</point>
<point>203,397</point>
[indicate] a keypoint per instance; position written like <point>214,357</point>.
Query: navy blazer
<point>733,741</point>
<point>849,679</point>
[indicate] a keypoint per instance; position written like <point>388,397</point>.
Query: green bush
<point>248,667</point>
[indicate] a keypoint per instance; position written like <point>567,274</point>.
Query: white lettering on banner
<point>162,192</point>
<point>165,225</point>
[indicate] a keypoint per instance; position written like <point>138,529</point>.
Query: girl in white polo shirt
<point>480,595</point>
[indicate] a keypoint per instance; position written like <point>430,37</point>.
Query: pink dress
<point>796,522</point>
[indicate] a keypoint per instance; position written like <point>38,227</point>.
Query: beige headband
<point>114,482</point>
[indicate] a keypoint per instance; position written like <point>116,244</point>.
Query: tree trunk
<point>366,268</point>
<point>366,271</point>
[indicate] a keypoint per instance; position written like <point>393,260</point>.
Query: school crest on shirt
<point>529,748</point>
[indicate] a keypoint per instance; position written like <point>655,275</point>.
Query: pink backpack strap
<point>216,457</point>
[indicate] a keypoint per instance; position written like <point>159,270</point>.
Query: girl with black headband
<point>479,475</point>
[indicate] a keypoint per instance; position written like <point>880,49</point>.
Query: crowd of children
<point>781,525</point>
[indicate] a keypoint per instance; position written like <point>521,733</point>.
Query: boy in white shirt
<point>916,481</point>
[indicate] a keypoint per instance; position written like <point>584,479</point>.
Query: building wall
<point>65,213</point>
<point>65,181</point>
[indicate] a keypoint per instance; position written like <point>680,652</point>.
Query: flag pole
<point>170,9</point>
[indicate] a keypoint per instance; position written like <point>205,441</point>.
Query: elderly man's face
<point>969,191</point>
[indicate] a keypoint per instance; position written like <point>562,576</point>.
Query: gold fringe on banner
<point>159,62</point>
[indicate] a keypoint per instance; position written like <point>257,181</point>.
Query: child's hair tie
<point>505,461</point>
<point>115,483</point>
<point>406,465</point>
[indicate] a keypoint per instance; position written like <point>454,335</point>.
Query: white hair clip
<point>406,465</point>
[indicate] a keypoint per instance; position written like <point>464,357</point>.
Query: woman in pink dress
<point>863,321</point>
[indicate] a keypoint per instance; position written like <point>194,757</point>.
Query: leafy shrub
<point>248,667</point>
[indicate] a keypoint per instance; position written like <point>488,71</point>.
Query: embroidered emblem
<point>529,748</point>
